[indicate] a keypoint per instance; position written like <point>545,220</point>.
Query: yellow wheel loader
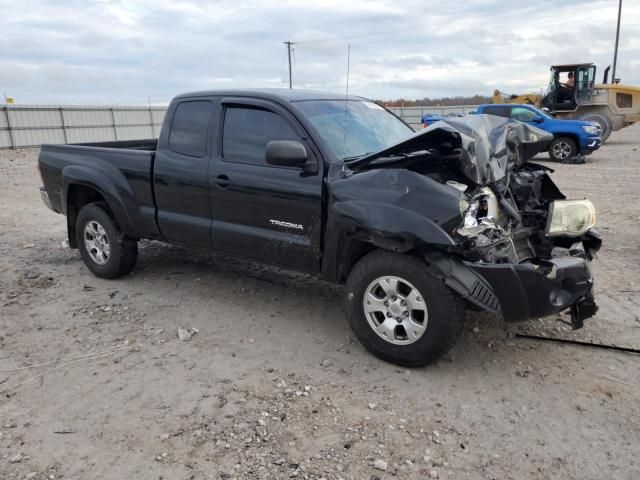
<point>573,93</point>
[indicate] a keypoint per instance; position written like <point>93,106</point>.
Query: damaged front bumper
<point>533,290</point>
<point>529,289</point>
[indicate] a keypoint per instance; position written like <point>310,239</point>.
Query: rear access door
<point>269,213</point>
<point>181,179</point>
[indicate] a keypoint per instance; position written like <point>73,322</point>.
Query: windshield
<point>354,128</point>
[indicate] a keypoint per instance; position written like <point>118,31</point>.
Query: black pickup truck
<point>420,226</point>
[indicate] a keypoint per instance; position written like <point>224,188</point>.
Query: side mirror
<point>538,119</point>
<point>286,153</point>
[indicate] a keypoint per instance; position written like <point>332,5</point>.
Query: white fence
<point>33,125</point>
<point>412,115</point>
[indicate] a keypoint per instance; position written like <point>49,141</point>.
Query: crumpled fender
<point>395,203</point>
<point>392,208</point>
<point>390,221</point>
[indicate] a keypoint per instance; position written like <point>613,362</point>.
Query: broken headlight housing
<point>482,206</point>
<point>478,213</point>
<point>570,218</point>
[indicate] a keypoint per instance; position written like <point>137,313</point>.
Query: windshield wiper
<point>355,157</point>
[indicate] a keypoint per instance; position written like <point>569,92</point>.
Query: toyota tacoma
<point>417,226</point>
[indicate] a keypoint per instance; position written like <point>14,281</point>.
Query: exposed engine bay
<point>511,226</point>
<point>491,225</point>
<point>507,203</point>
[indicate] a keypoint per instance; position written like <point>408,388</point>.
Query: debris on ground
<point>380,464</point>
<point>186,334</point>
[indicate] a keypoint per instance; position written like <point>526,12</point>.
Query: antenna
<point>346,99</point>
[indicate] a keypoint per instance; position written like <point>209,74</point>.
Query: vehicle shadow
<point>305,304</point>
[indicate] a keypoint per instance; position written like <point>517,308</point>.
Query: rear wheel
<point>603,121</point>
<point>106,251</point>
<point>400,312</point>
<point>562,148</point>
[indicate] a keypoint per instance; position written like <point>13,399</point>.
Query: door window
<point>247,132</point>
<point>189,128</point>
<point>499,111</point>
<point>523,114</point>
<point>586,79</point>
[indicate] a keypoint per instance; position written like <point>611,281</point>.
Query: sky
<point>139,51</point>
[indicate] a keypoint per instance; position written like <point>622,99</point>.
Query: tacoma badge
<point>287,224</point>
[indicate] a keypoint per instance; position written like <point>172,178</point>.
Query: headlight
<point>591,129</point>
<point>570,217</point>
<point>482,206</point>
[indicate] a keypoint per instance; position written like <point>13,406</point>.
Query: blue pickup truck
<point>571,137</point>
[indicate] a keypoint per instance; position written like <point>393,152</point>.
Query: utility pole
<point>289,44</point>
<point>615,54</point>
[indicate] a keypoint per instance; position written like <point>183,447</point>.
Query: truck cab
<point>570,86</point>
<point>570,137</point>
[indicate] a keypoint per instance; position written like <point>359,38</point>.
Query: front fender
<point>390,221</point>
<point>383,225</point>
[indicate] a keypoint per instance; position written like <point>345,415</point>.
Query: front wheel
<point>105,250</point>
<point>400,312</point>
<point>562,148</point>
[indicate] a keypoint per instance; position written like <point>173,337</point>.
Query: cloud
<point>124,51</point>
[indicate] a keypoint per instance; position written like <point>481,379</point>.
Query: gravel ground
<point>94,382</point>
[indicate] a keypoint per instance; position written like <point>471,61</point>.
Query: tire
<point>562,148</point>
<point>442,319</point>
<point>105,250</point>
<point>602,119</point>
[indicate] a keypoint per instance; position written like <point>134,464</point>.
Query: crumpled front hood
<point>487,146</point>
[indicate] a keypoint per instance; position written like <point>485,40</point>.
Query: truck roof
<point>277,94</point>
<point>572,65</point>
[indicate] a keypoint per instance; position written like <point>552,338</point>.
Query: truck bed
<point>120,171</point>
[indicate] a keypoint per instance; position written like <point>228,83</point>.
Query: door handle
<point>221,180</point>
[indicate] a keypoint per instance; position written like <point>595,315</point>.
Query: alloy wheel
<point>562,150</point>
<point>395,310</point>
<point>96,242</point>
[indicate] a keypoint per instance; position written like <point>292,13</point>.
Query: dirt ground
<point>95,384</point>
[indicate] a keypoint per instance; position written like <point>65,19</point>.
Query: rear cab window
<point>246,132</point>
<point>190,128</point>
